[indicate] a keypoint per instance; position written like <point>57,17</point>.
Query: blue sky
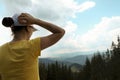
<point>90,25</point>
<point>103,8</point>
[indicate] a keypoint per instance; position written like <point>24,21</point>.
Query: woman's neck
<point>19,37</point>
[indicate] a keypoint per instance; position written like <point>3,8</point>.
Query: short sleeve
<point>35,46</point>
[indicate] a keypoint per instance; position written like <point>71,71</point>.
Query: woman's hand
<point>26,19</point>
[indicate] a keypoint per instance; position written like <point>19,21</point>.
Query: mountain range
<point>79,59</point>
<point>75,63</point>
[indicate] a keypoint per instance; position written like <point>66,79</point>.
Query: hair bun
<point>7,21</point>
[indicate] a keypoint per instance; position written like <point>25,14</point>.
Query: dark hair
<point>8,22</point>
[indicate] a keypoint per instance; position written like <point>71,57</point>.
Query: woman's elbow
<point>63,32</point>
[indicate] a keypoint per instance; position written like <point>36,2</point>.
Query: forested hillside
<point>102,66</point>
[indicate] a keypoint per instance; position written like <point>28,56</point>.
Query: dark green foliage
<point>85,73</point>
<point>55,71</point>
<point>105,66</point>
<point>102,66</point>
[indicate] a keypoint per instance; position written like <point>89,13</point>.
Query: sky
<point>90,25</point>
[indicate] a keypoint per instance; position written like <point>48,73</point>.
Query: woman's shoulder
<point>35,40</point>
<point>4,45</point>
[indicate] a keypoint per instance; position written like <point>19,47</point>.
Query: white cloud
<point>70,27</point>
<point>98,38</point>
<point>56,11</point>
<point>106,29</point>
<point>85,6</point>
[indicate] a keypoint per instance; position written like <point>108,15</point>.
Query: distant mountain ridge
<point>75,63</point>
<point>47,61</point>
<point>72,54</point>
<point>74,66</point>
<point>80,59</point>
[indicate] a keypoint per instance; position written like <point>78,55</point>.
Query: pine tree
<point>98,67</point>
<point>86,72</point>
<point>115,62</point>
<point>42,71</point>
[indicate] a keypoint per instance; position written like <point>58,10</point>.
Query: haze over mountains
<point>69,58</point>
<point>75,63</point>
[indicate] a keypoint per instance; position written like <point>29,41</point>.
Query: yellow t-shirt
<point>19,60</point>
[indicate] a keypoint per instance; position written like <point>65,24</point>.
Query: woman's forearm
<point>49,26</point>
<point>31,20</point>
